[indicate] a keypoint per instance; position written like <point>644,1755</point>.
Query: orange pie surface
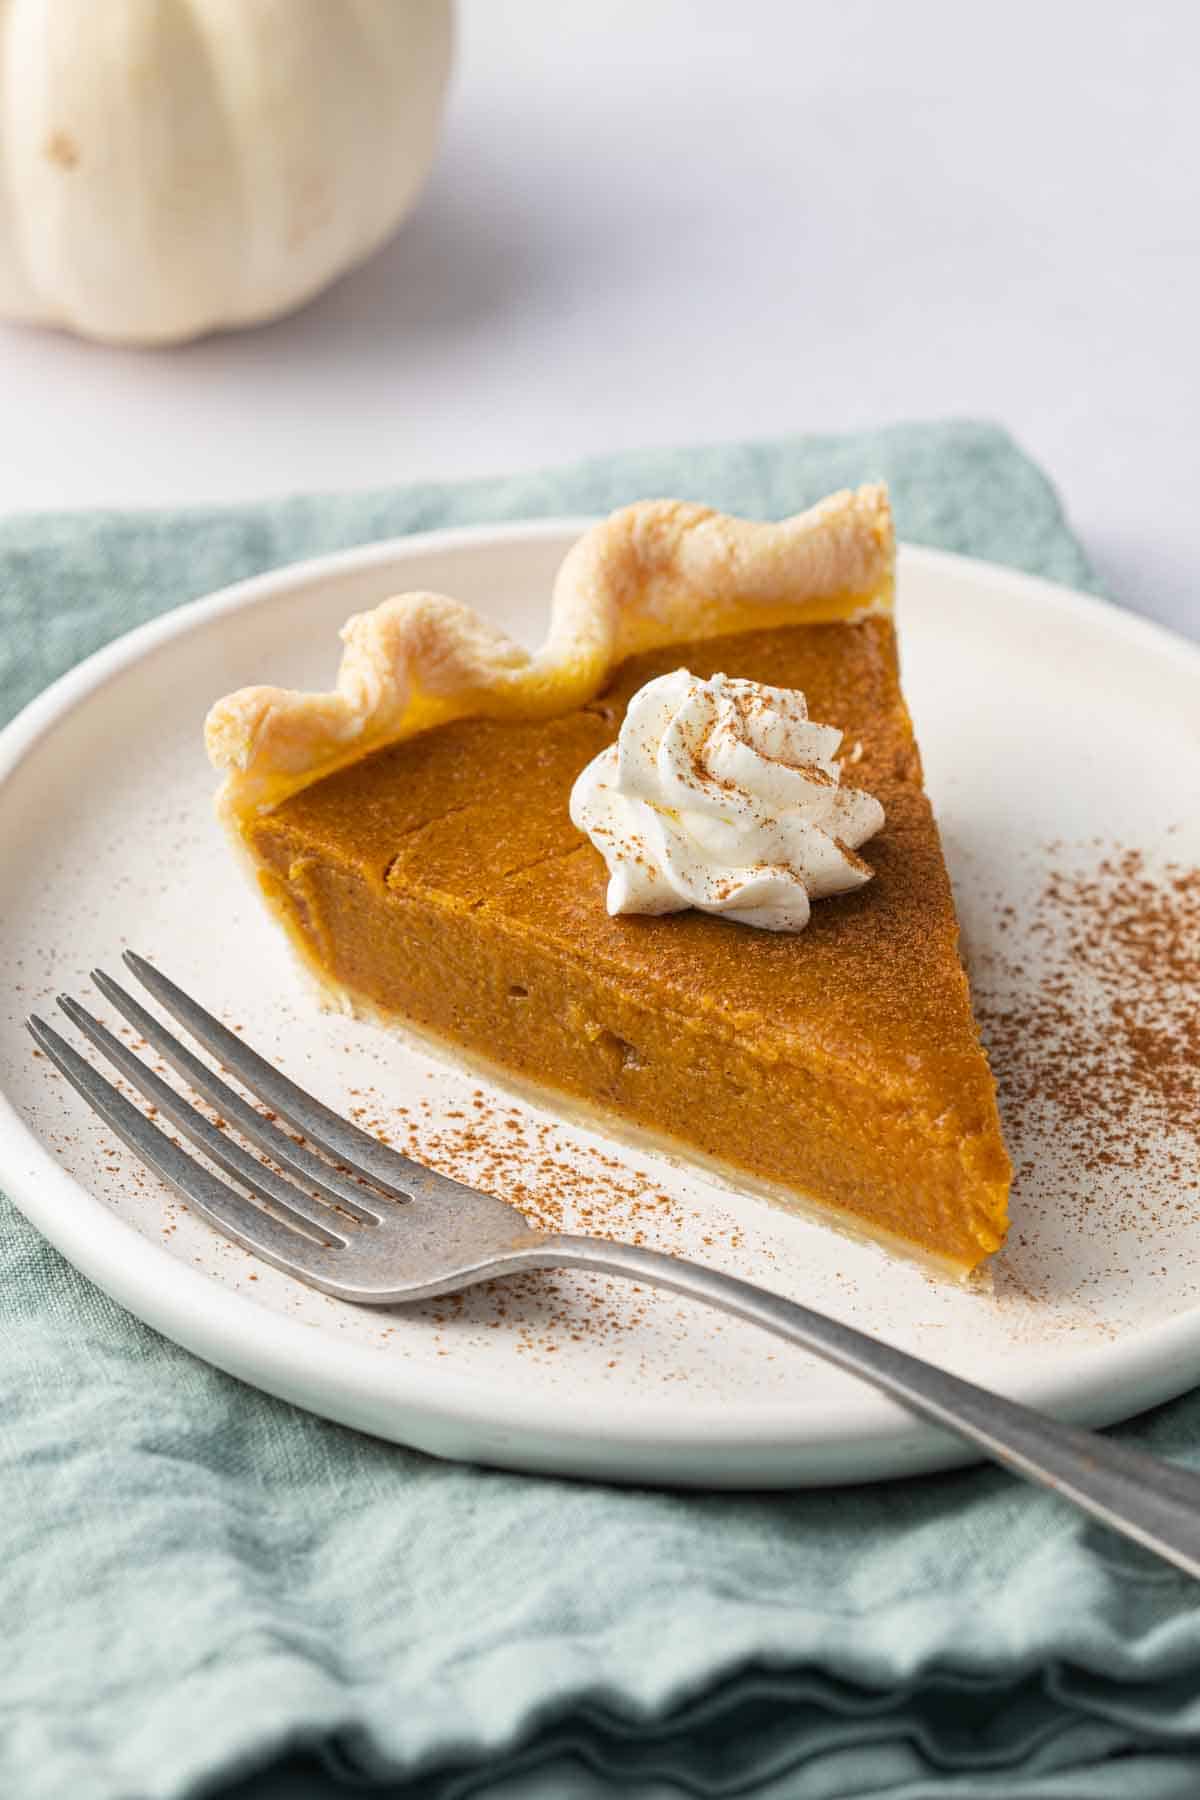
<point>438,882</point>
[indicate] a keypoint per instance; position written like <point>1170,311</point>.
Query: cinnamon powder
<point>1091,1014</point>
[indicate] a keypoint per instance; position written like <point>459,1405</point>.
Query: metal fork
<point>413,1233</point>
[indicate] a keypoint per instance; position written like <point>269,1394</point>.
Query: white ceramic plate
<point>1045,718</point>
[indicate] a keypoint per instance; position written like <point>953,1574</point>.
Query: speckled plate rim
<point>353,1384</point>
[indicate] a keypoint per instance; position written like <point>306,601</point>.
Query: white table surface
<point>663,223</point>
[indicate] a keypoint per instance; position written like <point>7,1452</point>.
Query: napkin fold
<point>199,1584</point>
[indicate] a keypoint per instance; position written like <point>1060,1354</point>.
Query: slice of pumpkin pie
<point>676,870</point>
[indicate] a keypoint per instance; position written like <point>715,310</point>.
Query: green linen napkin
<point>197,1581</point>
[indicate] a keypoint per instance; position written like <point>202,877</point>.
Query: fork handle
<point>1155,1503</point>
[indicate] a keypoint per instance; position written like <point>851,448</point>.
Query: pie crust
<point>654,573</point>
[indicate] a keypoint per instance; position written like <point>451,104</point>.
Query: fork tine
<point>279,1146</point>
<point>226,1211</point>
<point>217,1145</point>
<point>336,1136</point>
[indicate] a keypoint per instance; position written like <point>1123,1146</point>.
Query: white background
<point>660,223</point>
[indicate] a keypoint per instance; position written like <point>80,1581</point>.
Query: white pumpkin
<point>170,167</point>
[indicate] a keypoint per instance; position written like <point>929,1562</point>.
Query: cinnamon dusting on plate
<point>1091,1013</point>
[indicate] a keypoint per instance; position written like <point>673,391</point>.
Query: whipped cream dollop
<point>723,795</point>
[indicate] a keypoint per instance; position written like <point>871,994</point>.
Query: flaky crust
<point>651,574</point>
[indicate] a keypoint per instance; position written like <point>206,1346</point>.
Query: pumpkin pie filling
<point>437,881</point>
